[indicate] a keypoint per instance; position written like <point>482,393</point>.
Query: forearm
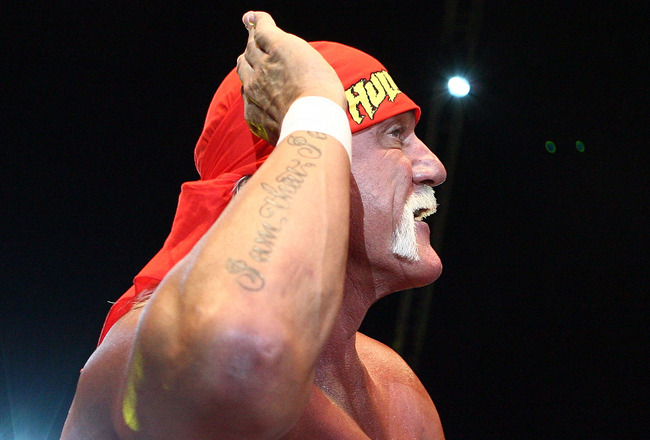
<point>279,250</point>
<point>244,316</point>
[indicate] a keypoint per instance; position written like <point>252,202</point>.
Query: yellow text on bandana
<point>369,94</point>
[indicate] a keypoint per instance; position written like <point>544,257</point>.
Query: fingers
<point>261,29</point>
<point>244,70</point>
<point>257,23</point>
<point>253,54</point>
<point>257,82</point>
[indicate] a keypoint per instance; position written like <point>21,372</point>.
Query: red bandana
<point>227,151</point>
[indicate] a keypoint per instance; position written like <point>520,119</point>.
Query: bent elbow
<point>256,373</point>
<point>249,357</point>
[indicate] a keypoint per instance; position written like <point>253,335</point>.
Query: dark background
<point>539,323</point>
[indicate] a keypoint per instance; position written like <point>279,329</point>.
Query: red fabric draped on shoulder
<point>227,151</point>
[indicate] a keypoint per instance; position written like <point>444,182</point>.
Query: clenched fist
<point>276,69</point>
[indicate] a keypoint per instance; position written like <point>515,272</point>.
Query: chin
<point>424,271</point>
<point>432,267</point>
<point>419,262</point>
<point>429,267</point>
<point>421,272</point>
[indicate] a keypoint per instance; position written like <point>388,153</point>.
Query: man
<point>244,326</point>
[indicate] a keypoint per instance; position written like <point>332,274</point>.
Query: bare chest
<point>324,420</point>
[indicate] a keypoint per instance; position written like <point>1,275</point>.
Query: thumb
<point>249,20</point>
<point>261,27</point>
<point>254,19</point>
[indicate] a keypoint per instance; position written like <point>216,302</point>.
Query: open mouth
<point>422,203</point>
<point>422,213</point>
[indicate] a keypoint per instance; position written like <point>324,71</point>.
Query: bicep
<point>112,400</point>
<point>95,410</point>
<point>120,397</point>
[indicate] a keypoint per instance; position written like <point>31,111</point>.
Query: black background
<point>539,324</point>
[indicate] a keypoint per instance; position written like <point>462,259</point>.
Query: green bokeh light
<point>550,147</point>
<point>580,146</point>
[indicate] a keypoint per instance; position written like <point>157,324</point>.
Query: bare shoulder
<point>92,414</point>
<point>406,396</point>
<point>383,363</point>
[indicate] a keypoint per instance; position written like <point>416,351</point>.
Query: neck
<point>340,373</point>
<point>340,352</point>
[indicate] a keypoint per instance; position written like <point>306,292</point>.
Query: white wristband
<point>317,113</point>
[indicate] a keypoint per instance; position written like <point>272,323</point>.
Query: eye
<point>397,134</point>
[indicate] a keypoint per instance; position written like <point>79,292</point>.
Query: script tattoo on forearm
<point>281,193</point>
<point>273,211</point>
<point>247,277</point>
<point>307,150</point>
<point>264,241</point>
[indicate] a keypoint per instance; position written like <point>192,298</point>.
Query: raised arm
<point>227,344</point>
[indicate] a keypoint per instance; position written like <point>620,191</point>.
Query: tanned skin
<point>242,342</point>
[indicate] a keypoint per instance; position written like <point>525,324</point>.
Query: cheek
<point>368,185</point>
<point>401,185</point>
<point>383,187</point>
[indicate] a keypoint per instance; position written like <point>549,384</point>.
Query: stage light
<point>458,86</point>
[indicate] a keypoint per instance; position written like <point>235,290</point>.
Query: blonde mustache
<point>421,204</point>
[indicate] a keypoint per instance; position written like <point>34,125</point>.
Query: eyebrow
<point>407,117</point>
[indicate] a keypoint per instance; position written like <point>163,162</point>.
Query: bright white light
<point>458,86</point>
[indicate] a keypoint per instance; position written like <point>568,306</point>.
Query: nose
<point>427,168</point>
